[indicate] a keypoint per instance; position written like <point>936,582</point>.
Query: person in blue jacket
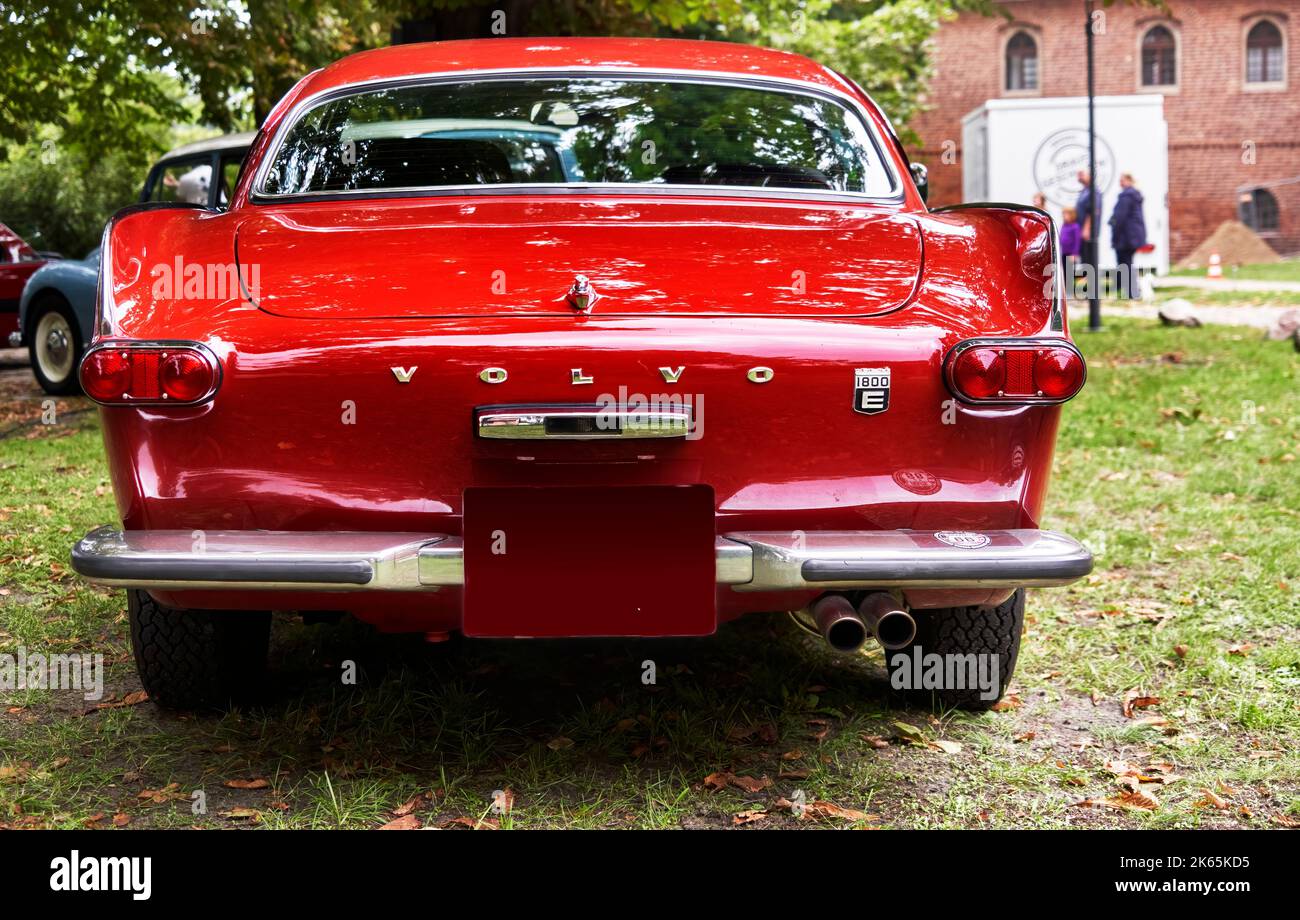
<point>1128,234</point>
<point>1088,250</point>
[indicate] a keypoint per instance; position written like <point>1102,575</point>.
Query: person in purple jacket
<point>1071,243</point>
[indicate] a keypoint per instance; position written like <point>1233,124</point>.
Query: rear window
<point>588,131</point>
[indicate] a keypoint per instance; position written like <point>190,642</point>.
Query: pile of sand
<point>1235,243</point>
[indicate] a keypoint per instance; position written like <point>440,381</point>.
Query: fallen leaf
<point>121,820</point>
<point>246,784</point>
<point>1242,650</point>
<point>404,823</point>
<point>486,824</point>
<point>948,747</point>
<point>1286,821</point>
<point>792,755</point>
<point>560,744</point>
<point>910,733</point>
<point>242,814</point>
<point>1125,801</point>
<point>718,781</point>
<point>411,804</point>
<point>750,784</point>
<point>134,698</point>
<point>167,793</point>
<point>1209,799</point>
<point>16,774</point>
<point>1025,736</point>
<point>749,817</point>
<point>832,811</point>
<point>1008,703</point>
<point>1136,699</point>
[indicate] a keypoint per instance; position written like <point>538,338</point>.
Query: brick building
<point>1229,71</point>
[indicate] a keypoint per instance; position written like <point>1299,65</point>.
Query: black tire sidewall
<point>989,629</point>
<point>198,659</point>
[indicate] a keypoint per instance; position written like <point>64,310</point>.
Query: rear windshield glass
<point>588,131</point>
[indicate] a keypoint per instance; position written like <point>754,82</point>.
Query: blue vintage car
<point>57,309</point>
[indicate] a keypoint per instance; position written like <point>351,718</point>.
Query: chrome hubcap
<point>57,343</point>
<point>54,346</point>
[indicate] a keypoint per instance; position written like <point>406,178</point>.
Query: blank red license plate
<point>589,561</point>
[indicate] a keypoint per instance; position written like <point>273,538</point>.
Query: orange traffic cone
<point>1216,268</point>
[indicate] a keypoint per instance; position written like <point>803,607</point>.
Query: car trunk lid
<point>519,256</point>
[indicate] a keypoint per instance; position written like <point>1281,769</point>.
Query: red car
<point>18,262</point>
<point>579,337</point>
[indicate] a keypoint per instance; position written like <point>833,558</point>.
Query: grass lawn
<point>1286,270</point>
<point>1178,465</point>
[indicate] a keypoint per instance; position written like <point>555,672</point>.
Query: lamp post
<point>1093,249</point>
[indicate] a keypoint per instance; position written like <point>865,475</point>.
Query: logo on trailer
<point>871,390</point>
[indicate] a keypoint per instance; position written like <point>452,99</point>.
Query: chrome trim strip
<point>735,562</point>
<point>588,423</point>
<point>822,560</point>
<point>442,564</point>
<point>302,106</point>
<point>251,559</point>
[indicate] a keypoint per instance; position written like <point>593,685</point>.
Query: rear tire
<point>198,659</point>
<point>983,630</point>
<point>54,345</point>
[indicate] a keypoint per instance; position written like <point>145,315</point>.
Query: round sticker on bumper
<point>963,539</point>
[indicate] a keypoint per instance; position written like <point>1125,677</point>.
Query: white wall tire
<point>54,346</point>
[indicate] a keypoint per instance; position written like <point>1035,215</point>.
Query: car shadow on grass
<point>590,733</point>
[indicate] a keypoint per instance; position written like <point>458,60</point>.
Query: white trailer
<point>1012,148</point>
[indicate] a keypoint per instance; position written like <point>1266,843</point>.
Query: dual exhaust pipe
<point>845,629</point>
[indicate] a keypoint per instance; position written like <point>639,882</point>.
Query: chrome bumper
<point>760,561</point>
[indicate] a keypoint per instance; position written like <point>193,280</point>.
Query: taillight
<point>1015,371</point>
<point>130,373</point>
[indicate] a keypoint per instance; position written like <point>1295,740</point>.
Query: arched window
<point>1265,58</point>
<point>1022,63</point>
<point>1159,57</point>
<point>1259,210</point>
